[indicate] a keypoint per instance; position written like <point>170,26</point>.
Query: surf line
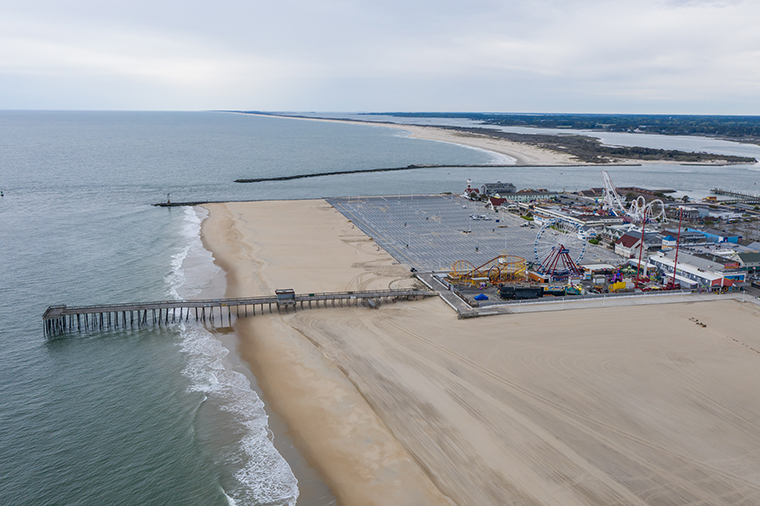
<point>408,167</point>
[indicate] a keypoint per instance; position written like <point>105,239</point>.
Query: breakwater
<point>416,167</point>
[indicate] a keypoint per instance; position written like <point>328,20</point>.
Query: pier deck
<point>748,198</point>
<point>59,319</point>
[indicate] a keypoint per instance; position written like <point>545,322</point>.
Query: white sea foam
<point>498,158</point>
<point>193,270</point>
<point>262,474</point>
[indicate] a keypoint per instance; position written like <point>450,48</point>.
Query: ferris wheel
<point>559,247</point>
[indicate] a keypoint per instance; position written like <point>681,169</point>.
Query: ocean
<point>170,415</point>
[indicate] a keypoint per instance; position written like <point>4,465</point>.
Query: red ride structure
<point>558,264</point>
<point>672,282</point>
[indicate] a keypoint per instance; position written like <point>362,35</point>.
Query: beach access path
<point>632,405</point>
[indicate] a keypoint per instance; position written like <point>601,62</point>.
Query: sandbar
<point>407,404</point>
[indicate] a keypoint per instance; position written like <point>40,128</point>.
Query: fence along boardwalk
<point>60,319</point>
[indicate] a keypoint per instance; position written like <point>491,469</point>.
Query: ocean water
<point>168,416</point>
<point>149,416</point>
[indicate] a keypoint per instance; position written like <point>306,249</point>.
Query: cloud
<point>598,55</point>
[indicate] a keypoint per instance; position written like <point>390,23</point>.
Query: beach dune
<point>409,405</point>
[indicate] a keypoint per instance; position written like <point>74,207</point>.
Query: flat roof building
<point>701,270</point>
<point>712,235</point>
<point>749,261</point>
<point>688,235</point>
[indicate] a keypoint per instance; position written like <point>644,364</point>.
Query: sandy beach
<point>408,405</point>
<point>523,154</point>
<point>519,152</point>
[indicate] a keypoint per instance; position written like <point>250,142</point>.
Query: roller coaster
<point>501,269</point>
<point>638,210</point>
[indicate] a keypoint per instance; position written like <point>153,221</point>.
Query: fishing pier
<point>60,319</point>
<point>747,198</point>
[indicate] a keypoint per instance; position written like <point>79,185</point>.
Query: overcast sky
<point>633,56</point>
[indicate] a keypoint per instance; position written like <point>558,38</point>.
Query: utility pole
<point>672,283</point>
<point>641,246</point>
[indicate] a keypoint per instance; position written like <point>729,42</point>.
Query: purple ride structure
<point>558,249</point>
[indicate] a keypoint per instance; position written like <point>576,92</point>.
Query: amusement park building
<point>523,196</point>
<point>688,236</point>
<point>686,212</point>
<point>699,271</point>
<point>614,232</point>
<point>581,219</point>
<point>628,245</point>
<point>749,262</point>
<point>725,251</point>
<point>716,235</point>
<point>491,189</point>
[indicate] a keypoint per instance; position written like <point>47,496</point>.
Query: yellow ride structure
<point>502,269</point>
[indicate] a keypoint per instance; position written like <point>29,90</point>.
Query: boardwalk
<point>496,307</point>
<point>61,319</point>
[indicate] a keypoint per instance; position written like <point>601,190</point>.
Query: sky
<point>595,56</point>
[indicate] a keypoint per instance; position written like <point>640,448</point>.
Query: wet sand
<point>408,405</point>
<point>282,245</point>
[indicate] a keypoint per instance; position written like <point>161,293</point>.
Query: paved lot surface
<point>433,231</point>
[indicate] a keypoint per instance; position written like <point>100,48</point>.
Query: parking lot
<point>430,232</point>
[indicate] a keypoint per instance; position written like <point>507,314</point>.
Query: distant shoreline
<point>539,149</point>
<point>523,154</point>
<point>746,129</point>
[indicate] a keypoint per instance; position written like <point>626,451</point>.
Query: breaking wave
<point>256,472</point>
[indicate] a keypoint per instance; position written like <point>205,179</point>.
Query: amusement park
<point>513,245</point>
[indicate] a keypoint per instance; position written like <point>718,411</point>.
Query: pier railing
<point>59,319</point>
<point>741,196</point>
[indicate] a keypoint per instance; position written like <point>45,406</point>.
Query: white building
<point>628,245</point>
<point>694,271</point>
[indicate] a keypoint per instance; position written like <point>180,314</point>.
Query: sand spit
<point>523,154</point>
<point>408,405</point>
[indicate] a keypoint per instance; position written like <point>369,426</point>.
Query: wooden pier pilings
<point>739,196</point>
<point>61,319</point>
